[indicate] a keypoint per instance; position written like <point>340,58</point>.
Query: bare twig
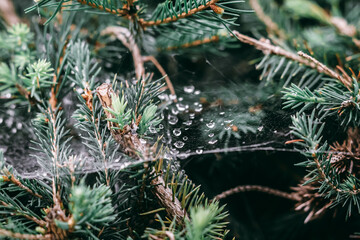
<point>124,35</point>
<point>258,188</point>
<point>302,58</point>
<point>8,12</point>
<point>145,23</point>
<point>162,71</point>
<point>271,26</point>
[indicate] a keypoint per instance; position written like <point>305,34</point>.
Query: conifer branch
<point>31,218</point>
<point>9,177</point>
<point>193,11</point>
<point>302,58</point>
<point>102,8</point>
<point>133,147</point>
<point>258,188</point>
<point>271,26</point>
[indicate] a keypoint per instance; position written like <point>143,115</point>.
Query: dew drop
<point>213,141</point>
<point>199,151</point>
<point>211,134</point>
<point>181,107</point>
<point>188,123</point>
<point>260,128</point>
<point>189,89</point>
<point>185,138</point>
<point>210,124</point>
<point>177,132</point>
<point>179,144</point>
<point>172,119</point>
<point>197,92</point>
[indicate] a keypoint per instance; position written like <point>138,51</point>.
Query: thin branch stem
<point>124,35</point>
<point>162,71</point>
<point>258,188</point>
<point>145,23</point>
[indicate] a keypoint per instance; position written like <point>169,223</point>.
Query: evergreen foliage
<point>107,171</point>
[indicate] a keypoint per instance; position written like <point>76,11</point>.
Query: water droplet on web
<point>19,125</point>
<point>211,134</point>
<point>222,113</point>
<point>185,138</point>
<point>143,141</point>
<point>187,123</point>
<point>181,107</point>
<point>189,89</point>
<point>152,129</point>
<point>172,119</point>
<point>177,132</point>
<point>179,144</point>
<point>213,141</point>
<point>192,115</point>
<point>210,124</point>
<point>1,120</point>
<point>174,111</point>
<point>199,151</point>
<point>180,99</point>
<point>14,130</point>
<point>161,126</point>
<point>260,128</point>
<point>197,92</point>
<point>198,108</point>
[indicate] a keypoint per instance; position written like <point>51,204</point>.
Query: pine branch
<point>190,12</point>
<point>301,58</point>
<point>95,4</point>
<point>9,177</point>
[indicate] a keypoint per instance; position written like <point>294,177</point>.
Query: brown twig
<point>7,233</point>
<point>271,26</point>
<point>162,71</point>
<point>145,23</point>
<point>302,58</point>
<point>124,35</point>
<point>7,10</point>
<point>258,188</point>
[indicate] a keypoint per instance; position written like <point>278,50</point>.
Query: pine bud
<point>217,9</point>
